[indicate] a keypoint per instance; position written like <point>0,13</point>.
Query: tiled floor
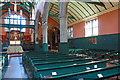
<point>15,69</point>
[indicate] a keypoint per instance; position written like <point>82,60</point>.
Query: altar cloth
<point>15,49</point>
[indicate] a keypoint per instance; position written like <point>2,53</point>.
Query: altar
<point>15,49</point>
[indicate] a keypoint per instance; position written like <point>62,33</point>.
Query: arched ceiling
<point>76,10</point>
<point>26,6</point>
<point>80,10</point>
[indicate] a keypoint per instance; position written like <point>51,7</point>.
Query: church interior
<point>59,39</point>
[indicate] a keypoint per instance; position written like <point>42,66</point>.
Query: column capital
<point>44,23</point>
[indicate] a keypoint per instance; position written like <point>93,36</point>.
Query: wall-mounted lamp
<point>39,22</point>
<point>54,29</point>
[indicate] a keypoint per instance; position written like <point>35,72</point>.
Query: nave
<point>59,40</point>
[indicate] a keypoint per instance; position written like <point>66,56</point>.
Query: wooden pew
<point>112,55</point>
<point>4,58</point>
<point>46,64</point>
<point>32,54</point>
<point>52,59</point>
<point>94,74</point>
<point>76,51</point>
<point>42,73</point>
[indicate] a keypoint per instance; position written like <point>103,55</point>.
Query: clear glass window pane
<point>15,19</point>
<point>91,28</point>
<point>70,32</point>
<point>23,30</point>
<point>95,31</point>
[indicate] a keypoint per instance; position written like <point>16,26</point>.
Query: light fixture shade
<point>20,12</point>
<point>9,12</point>
<point>15,7</point>
<point>39,22</point>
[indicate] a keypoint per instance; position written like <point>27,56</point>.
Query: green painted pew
<point>112,55</point>
<point>116,56</point>
<point>94,74</point>
<point>4,49</point>
<point>53,59</point>
<point>42,73</point>
<point>105,72</point>
<point>75,51</point>
<point>96,54</point>
<point>4,58</point>
<point>56,60</point>
<point>80,52</point>
<point>37,55</point>
<point>100,55</point>
<point>32,54</point>
<point>49,57</point>
<point>58,64</point>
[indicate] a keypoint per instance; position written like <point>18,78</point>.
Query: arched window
<point>15,19</point>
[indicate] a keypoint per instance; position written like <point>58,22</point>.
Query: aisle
<point>16,69</point>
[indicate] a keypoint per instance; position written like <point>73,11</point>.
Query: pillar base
<point>64,48</point>
<point>45,46</point>
<point>37,47</point>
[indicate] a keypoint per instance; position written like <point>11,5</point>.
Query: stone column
<point>36,29</point>
<point>63,45</point>
<point>45,41</point>
<point>44,25</point>
<point>37,45</point>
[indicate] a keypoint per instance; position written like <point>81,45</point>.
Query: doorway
<point>53,38</point>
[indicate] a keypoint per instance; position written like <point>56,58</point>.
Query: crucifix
<point>15,36</point>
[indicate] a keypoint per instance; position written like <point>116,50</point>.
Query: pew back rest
<point>71,69</point>
<point>95,74</point>
<point>62,63</point>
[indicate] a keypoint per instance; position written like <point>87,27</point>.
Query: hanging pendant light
<point>15,7</point>
<point>9,11</point>
<point>20,12</point>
